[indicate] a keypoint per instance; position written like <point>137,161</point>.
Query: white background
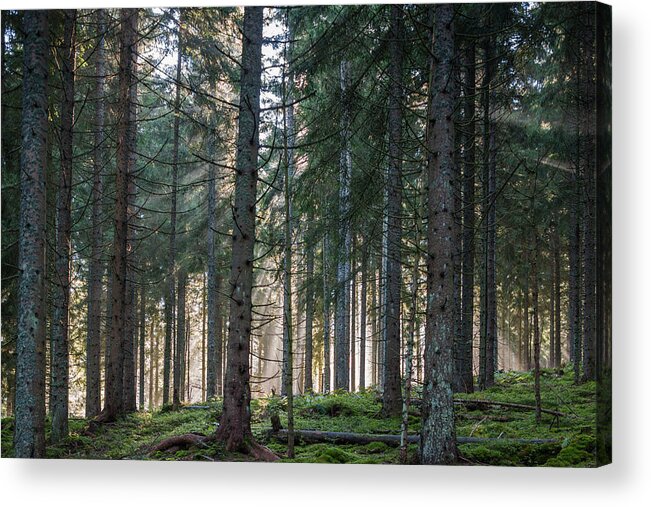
<point>626,482</point>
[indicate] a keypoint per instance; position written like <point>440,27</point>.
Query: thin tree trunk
<point>353,317</point>
<point>60,320</point>
<point>153,364</point>
<point>203,337</point>
<point>374,331</point>
<point>557,298</point>
<point>96,269</point>
<point>525,338</point>
<point>362,323</point>
<point>128,347</point>
<point>141,353</point>
<point>170,303</point>
<point>288,327</point>
<point>29,436</point>
<point>113,404</point>
<point>489,324</point>
<point>409,359</point>
<point>309,313</point>
<point>587,121</point>
<point>326,317</point>
<point>468,240</point>
<point>536,330</point>
<point>438,438</point>
<point>342,309</point>
<point>179,358</point>
<point>552,316</point>
<point>391,398</point>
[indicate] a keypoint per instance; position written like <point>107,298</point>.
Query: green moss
<point>132,436</point>
<point>576,452</point>
<point>376,447</point>
<point>334,455</point>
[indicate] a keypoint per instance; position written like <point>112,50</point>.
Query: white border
<point>626,482</point>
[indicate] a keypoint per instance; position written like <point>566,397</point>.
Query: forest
<point>331,234</point>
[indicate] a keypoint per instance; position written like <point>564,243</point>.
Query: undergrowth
<point>133,436</point>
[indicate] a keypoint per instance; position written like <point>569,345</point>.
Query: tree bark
<point>342,309</point>
<point>362,322</point>
<point>557,298</point>
<point>288,324</point>
<point>61,298</point>
<point>113,403</point>
<point>392,398</point>
<point>309,312</point>
<point>536,329</point>
<point>29,436</point>
<point>587,122</point>
<point>179,357</point>
<point>468,240</point>
<point>326,317</point>
<point>141,352</point>
<point>489,309</point>
<point>96,268</point>
<point>235,423</point>
<point>438,433</point>
<point>170,302</point>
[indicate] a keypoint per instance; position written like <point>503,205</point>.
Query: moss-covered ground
<point>133,436</point>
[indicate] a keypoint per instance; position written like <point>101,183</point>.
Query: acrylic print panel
<point>317,234</point>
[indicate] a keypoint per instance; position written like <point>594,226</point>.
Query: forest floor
<point>574,433</point>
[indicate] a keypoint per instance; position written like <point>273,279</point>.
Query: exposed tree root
<point>181,442</point>
<point>188,440</point>
<point>261,453</point>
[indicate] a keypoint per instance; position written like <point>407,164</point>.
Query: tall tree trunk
<point>214,351</point>
<point>552,314</point>
<point>235,422</point>
<point>288,324</point>
<point>113,404</point>
<point>342,309</point>
<point>203,337</point>
<point>128,347</point>
<point>141,351</point>
<point>437,443</point>
<point>587,122</point>
<point>489,310</point>
<point>468,240</point>
<point>179,358</point>
<point>362,322</point>
<point>353,316</point>
<point>60,320</point>
<point>96,269</point>
<point>374,330</point>
<point>326,316</point>
<point>309,312</point>
<point>391,397</point>
<point>557,298</point>
<point>536,329</point>
<point>29,436</point>
<point>153,364</point>
<point>170,302</point>
<point>409,358</point>
<point>527,323</point>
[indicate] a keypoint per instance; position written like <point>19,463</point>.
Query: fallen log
<point>516,406</point>
<point>338,437</point>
